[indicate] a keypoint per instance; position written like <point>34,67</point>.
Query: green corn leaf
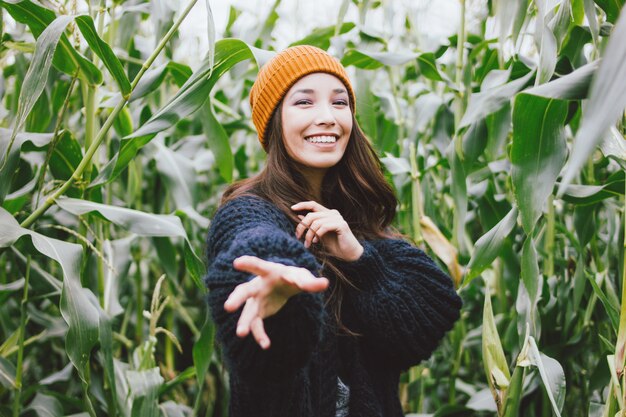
<point>428,66</point>
<point>514,393</point>
<point>183,376</point>
<point>489,101</point>
<point>320,37</point>
<point>498,129</point>
<point>366,110</point>
<point>192,95</point>
<point>343,9</point>
<point>538,153</point>
<point>118,256</point>
<point>458,189</point>
<point>203,349</point>
<point>104,52</point>
<point>573,86</point>
<point>65,157</point>
<point>474,143</point>
<point>77,303</point>
<point>592,18</point>
<point>395,165</point>
<point>195,92</point>
<point>63,375</point>
<point>194,265</point>
<point>452,410</point>
<point>374,60</point>
<point>150,81</point>
<point>123,123</point>
<point>494,361</point>
<point>180,177</point>
<point>607,100</point>
<point>45,406</point>
<point>591,194</point>
<point>143,224</point>
<point>210,34</point>
<point>529,291</point>
<point>128,151</point>
<point>218,142</point>
<point>560,23</point>
<point>489,245</point>
<point>7,170</point>
<point>611,309</point>
<point>12,286</point>
<point>37,75</point>
<point>172,409</point>
<point>547,44</point>
<point>66,58</point>
<point>38,272</point>
<point>611,8</point>
<point>106,344</point>
<point>551,373</point>
<point>144,389</point>
<point>7,374</point>
<point>510,16</point>
<point>482,401</point>
<point>179,72</point>
<point>614,146</point>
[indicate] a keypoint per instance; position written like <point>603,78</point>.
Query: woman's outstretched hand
<point>329,226</point>
<point>267,293</point>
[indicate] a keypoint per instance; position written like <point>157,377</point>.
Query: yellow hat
<point>278,75</point>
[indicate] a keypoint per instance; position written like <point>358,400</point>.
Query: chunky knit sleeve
<point>404,303</point>
<point>251,226</point>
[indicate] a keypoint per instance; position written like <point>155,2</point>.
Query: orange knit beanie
<point>278,75</point>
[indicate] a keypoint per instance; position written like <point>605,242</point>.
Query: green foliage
<point>505,145</point>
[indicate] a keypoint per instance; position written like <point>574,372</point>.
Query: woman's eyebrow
<point>305,91</point>
<point>311,91</point>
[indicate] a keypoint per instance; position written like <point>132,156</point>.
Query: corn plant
<point>504,142</point>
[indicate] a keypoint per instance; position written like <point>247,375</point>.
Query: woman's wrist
<point>356,253</point>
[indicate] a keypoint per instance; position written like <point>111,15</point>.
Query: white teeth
<point>321,139</point>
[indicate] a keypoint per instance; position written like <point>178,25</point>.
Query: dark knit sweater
<point>403,306</point>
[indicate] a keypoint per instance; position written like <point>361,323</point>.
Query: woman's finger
<point>307,221</point>
<point>311,233</point>
<point>304,280</point>
<point>255,265</point>
<point>300,228</point>
<point>258,331</point>
<point>308,205</point>
<point>330,226</point>
<point>249,312</point>
<point>240,294</point>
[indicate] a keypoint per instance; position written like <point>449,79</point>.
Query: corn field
<point>505,144</point>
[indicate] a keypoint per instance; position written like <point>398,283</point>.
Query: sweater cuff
<point>368,269</point>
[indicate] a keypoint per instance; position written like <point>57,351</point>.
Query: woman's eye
<point>303,102</point>
<point>341,102</point>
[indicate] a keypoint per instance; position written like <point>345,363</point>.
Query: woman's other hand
<point>329,226</point>
<point>267,293</point>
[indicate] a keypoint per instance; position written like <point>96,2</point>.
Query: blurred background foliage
<point>503,138</point>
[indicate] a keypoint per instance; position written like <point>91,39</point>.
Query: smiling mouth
<point>321,139</point>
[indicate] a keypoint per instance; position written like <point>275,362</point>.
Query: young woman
<point>318,305</point>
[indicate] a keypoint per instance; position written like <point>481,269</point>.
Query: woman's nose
<point>325,116</point>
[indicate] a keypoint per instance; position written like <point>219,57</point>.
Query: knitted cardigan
<point>401,309</point>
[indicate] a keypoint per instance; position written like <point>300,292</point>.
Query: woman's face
<point>317,120</point>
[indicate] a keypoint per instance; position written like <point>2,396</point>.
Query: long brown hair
<point>355,186</point>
